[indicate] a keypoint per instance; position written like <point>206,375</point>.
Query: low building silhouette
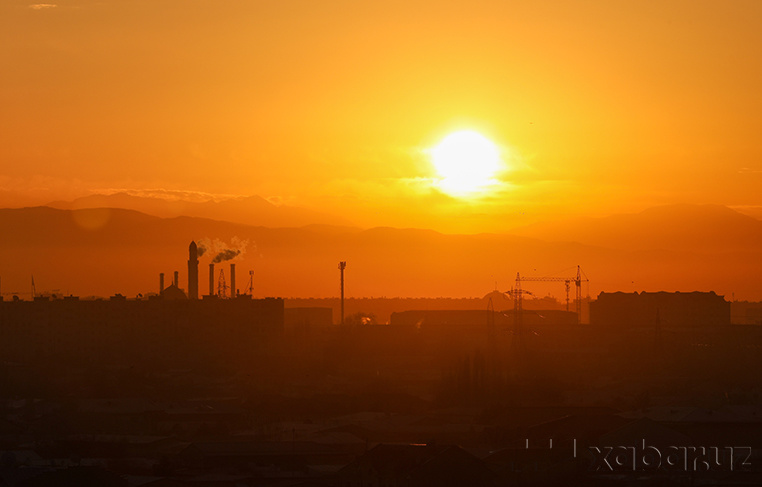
<point>660,308</point>
<point>119,330</point>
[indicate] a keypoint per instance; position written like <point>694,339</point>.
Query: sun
<point>466,162</point>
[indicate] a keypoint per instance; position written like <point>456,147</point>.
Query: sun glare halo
<point>466,162</point>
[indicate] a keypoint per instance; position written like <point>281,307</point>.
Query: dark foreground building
<point>121,331</point>
<point>662,308</point>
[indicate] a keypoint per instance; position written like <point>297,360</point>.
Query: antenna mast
<point>342,266</point>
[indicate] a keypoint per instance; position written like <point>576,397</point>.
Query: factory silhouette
<point>175,292</point>
<point>208,385</point>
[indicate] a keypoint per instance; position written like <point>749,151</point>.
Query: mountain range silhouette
<point>102,251</point>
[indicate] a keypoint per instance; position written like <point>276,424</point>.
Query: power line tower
<point>342,266</point>
<point>222,285</point>
<point>518,344</point>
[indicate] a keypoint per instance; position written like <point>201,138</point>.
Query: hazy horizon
<point>100,251</point>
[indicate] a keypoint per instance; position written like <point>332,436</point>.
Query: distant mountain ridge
<point>250,210</point>
<point>104,251</point>
<point>671,227</point>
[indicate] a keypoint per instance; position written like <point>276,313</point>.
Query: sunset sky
<point>596,106</point>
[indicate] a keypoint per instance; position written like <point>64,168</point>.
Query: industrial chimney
<point>161,284</point>
<point>176,282</point>
<point>193,271</point>
<point>232,281</point>
<point>211,279</point>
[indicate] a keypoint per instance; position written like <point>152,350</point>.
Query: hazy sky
<point>597,106</point>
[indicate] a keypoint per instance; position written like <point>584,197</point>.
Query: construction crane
<point>33,293</point>
<point>577,280</point>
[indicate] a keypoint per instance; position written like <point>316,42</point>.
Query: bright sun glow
<point>466,162</point>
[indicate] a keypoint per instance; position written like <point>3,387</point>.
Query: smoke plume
<point>226,254</point>
<point>202,246</point>
<point>221,250</point>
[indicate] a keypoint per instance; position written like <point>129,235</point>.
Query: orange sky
<point>598,106</point>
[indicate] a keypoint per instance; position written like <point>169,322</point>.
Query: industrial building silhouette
<point>167,326</point>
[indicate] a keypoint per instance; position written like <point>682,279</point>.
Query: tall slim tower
<point>232,281</point>
<point>211,279</point>
<point>193,271</point>
<point>342,266</point>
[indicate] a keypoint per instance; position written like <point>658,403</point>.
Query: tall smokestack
<point>232,281</point>
<point>211,279</point>
<point>161,284</point>
<point>193,271</point>
<point>176,282</point>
